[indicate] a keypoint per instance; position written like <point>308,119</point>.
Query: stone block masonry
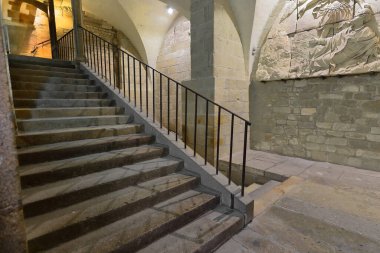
<point>335,119</point>
<point>12,230</point>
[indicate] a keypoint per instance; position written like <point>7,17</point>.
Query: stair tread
<point>36,72</point>
<point>259,192</point>
<point>55,166</point>
<point>195,236</point>
<point>15,65</point>
<point>46,223</point>
<point>117,234</point>
<point>61,187</point>
<point>81,143</point>
<point>72,118</point>
<point>53,131</point>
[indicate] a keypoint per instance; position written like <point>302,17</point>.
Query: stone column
<point>76,6</point>
<point>12,229</point>
<point>52,29</point>
<point>218,72</point>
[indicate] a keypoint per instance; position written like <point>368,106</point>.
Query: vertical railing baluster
<point>176,111</point>
<point>97,55</point>
<point>140,76</point>
<point>185,130</point>
<point>123,64</point>
<point>129,79</point>
<point>154,95</point>
<point>93,52</point>
<point>160,100</point>
<point>218,141</point>
<point>109,64</point>
<point>195,124</point>
<point>206,132</point>
<point>244,158</point>
<point>168,119</point>
<point>147,90</point>
<point>231,147</point>
<point>101,57</point>
<point>113,67</point>
<point>134,80</point>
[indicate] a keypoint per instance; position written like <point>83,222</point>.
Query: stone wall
<point>12,229</point>
<point>335,119</point>
<point>174,60</point>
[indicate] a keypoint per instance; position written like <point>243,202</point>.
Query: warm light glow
<point>170,10</point>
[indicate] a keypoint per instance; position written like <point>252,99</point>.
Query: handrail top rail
<point>169,78</point>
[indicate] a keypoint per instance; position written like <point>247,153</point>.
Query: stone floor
<point>323,207</point>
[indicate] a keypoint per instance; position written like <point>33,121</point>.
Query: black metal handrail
<point>100,53</point>
<point>65,46</point>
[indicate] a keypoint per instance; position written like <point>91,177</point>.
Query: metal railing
<point>125,73</point>
<point>65,47</point>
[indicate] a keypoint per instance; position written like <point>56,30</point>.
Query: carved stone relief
<point>322,38</point>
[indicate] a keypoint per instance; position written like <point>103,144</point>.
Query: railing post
<point>77,18</point>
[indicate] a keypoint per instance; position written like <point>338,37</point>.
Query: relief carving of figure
<point>355,43</point>
<point>342,38</point>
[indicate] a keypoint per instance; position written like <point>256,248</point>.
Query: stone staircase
<point>93,181</point>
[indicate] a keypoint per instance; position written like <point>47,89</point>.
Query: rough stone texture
<point>174,60</point>
<point>333,119</point>
<point>12,230</point>
<point>218,73</point>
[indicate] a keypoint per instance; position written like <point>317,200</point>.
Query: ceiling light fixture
<point>170,10</point>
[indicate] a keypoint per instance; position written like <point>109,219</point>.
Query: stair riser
<point>42,67</point>
<point>221,238</point>
<point>95,166</point>
<point>58,95</point>
<point>48,103</point>
<point>40,125</point>
<point>54,87</point>
<point>52,155</point>
<point>43,62</point>
<point>46,79</point>
<point>44,73</point>
<point>68,233</point>
<point>67,112</point>
<point>167,228</point>
<point>41,139</point>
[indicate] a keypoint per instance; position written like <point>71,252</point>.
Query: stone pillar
<point>76,6</point>
<point>218,72</point>
<point>52,29</point>
<point>12,229</point>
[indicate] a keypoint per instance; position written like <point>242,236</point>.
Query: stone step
<point>41,62</point>
<point>43,199</point>
<point>264,189</point>
<point>43,173</point>
<point>136,231</point>
<point>29,113</point>
<point>18,65</point>
<point>46,103</point>
<point>46,73</point>
<point>36,94</point>
<point>65,150</point>
<point>48,79</point>
<point>252,187</point>
<point>25,139</point>
<point>203,235</point>
<point>53,87</point>
<point>70,122</point>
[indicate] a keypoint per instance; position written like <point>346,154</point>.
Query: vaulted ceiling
<point>146,22</point>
